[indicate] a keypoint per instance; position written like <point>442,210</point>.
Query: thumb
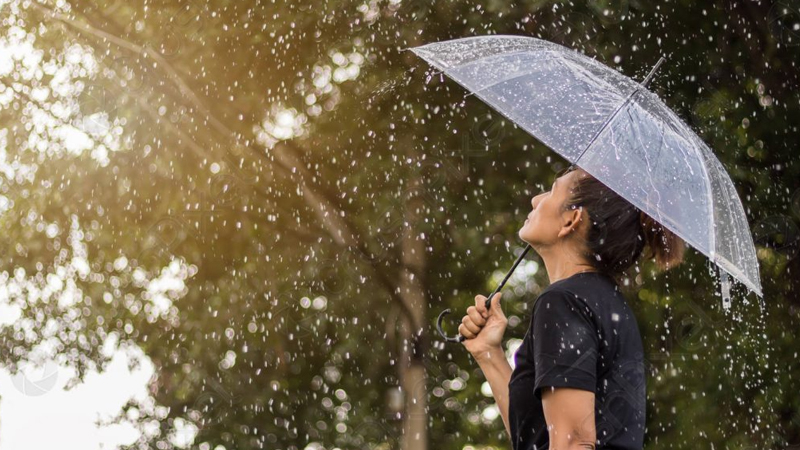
<point>497,306</point>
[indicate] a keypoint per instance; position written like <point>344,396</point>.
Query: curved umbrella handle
<point>460,337</point>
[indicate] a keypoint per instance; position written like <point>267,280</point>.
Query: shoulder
<point>596,294</point>
<point>562,305</point>
<point>559,298</point>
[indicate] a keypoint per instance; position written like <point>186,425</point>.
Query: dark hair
<point>619,231</point>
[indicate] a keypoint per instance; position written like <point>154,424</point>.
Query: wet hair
<point>618,232</point>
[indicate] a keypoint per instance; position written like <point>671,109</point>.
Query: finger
<point>480,304</point>
<point>462,330</point>
<point>471,326</point>
<point>476,317</point>
<point>497,307</point>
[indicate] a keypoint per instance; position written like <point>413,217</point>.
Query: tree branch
<point>338,227</point>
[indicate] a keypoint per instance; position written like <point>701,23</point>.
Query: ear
<point>571,220</point>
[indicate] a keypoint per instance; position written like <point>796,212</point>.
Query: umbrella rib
<point>712,227</point>
<point>504,80</point>
<point>651,166</point>
<point>556,56</point>
<point>627,100</point>
<point>607,122</point>
<point>572,69</point>
<point>661,144</point>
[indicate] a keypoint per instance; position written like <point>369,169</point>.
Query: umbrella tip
<point>653,71</point>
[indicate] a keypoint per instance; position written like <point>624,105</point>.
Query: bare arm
<point>483,331</point>
<point>497,371</point>
<point>569,414</point>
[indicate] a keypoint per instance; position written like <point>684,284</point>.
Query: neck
<point>559,267</point>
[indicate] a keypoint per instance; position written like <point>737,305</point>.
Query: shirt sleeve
<point>565,343</point>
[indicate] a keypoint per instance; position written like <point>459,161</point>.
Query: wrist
<point>488,355</point>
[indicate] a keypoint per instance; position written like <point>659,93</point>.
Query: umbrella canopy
<point>614,129</point>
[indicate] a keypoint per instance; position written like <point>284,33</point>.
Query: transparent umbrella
<point>615,129</point>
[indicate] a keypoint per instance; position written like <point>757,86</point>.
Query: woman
<point>579,378</point>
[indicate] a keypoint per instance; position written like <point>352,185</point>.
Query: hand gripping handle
<point>460,337</point>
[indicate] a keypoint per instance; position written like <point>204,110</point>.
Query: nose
<point>535,201</point>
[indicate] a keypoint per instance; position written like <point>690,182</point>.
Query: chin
<point>526,235</point>
<point>532,235</point>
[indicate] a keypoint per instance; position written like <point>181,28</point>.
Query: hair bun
<point>665,246</point>
<point>618,231</point>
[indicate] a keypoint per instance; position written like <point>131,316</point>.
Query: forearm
<point>570,443</point>
<point>497,371</point>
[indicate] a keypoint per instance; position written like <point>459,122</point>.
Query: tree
<point>319,197</point>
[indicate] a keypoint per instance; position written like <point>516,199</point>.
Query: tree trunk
<point>412,368</point>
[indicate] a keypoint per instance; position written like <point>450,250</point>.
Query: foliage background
<point>318,197</point>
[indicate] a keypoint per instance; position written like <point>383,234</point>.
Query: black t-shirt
<point>583,335</point>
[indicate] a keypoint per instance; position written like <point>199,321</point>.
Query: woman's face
<point>547,221</point>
